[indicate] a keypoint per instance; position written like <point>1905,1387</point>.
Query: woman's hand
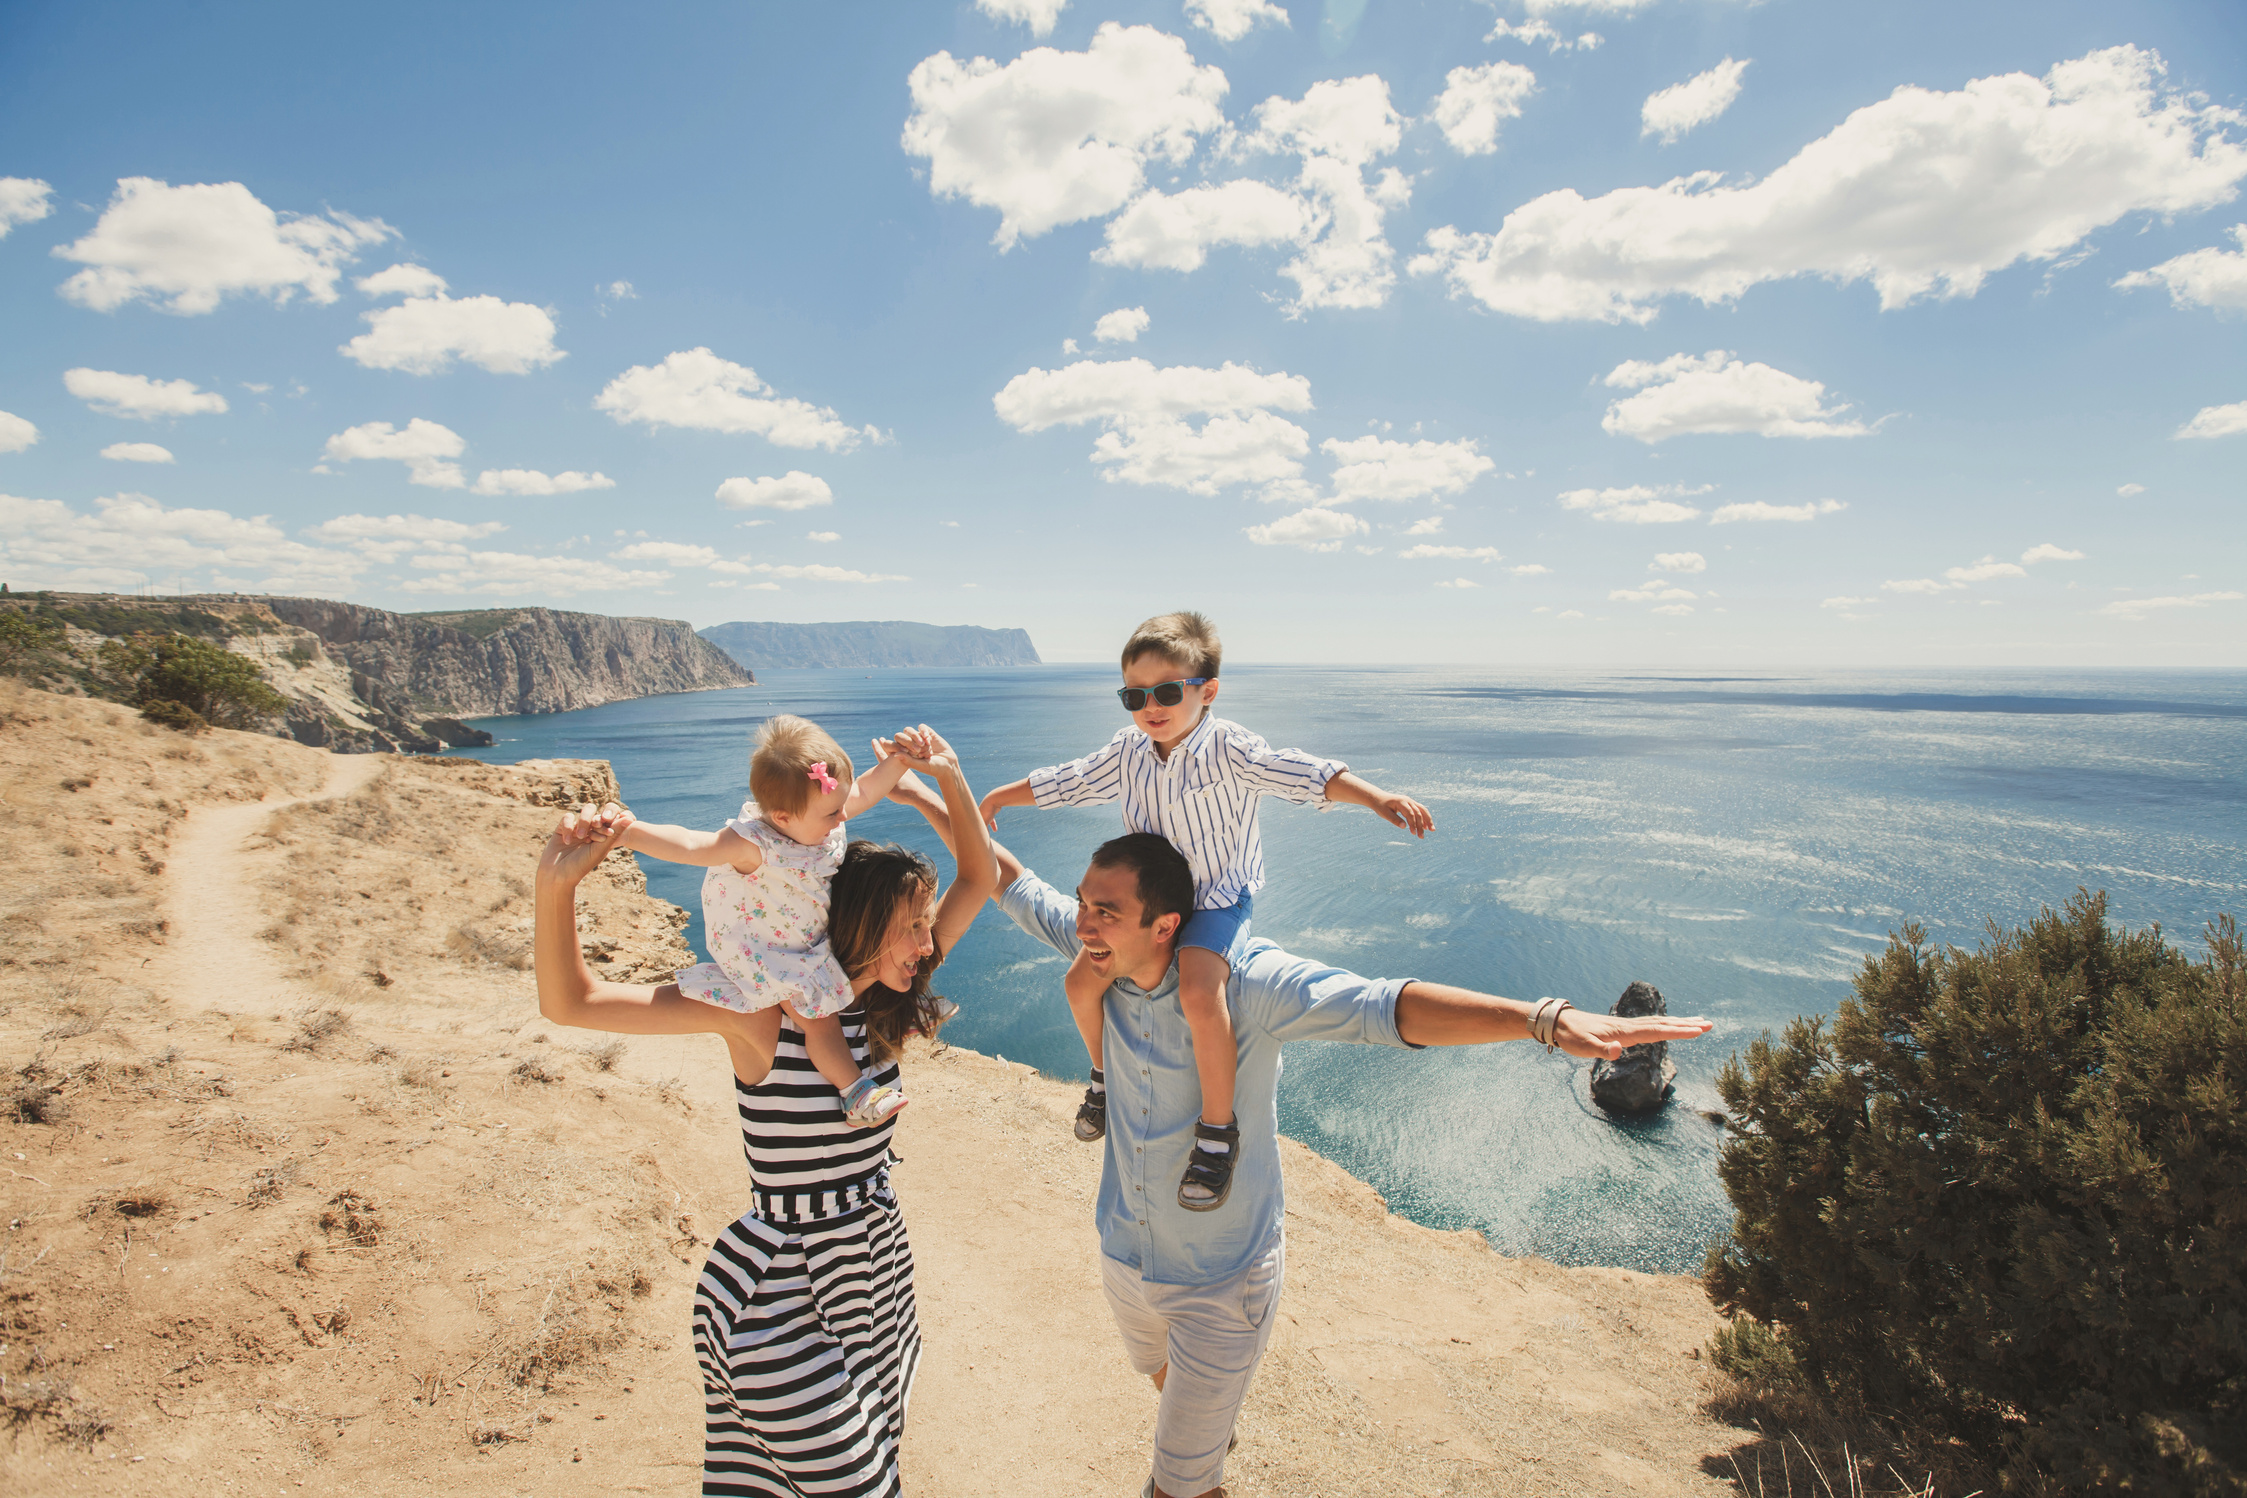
<point>580,841</point>
<point>922,748</point>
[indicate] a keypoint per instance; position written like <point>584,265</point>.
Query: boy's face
<point>1168,726</point>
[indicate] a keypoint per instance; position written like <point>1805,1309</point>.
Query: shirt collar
<point>1192,745</point>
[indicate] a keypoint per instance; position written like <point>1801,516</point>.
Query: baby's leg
<point>1086,990</point>
<point>1202,975</point>
<point>829,1051</point>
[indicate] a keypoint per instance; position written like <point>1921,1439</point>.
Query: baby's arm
<point>685,845</point>
<point>1400,811</point>
<point>872,788</point>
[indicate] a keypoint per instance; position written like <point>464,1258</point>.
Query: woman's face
<point>910,941</point>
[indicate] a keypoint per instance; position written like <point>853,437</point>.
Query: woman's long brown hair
<point>875,881</point>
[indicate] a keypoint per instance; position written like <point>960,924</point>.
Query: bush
<point>175,715</point>
<point>212,682</point>
<point>25,636</point>
<point>2007,1196</point>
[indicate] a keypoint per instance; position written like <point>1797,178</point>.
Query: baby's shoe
<point>1092,1113</point>
<point>870,1103</point>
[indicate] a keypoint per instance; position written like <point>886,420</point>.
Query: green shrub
<point>175,715</point>
<point>2007,1195</point>
<point>218,686</point>
<point>25,636</point>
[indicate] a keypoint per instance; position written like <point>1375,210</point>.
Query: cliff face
<point>505,661</point>
<point>869,644</point>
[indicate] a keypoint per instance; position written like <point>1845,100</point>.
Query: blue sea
<point>1743,842</point>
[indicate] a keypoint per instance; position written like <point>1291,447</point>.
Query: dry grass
<point>534,1069</point>
<point>55,1403</point>
<point>1803,1447</point>
<point>604,1057</point>
<point>315,1028</point>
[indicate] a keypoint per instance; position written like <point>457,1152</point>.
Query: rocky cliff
<point>868,644</point>
<point>503,661</point>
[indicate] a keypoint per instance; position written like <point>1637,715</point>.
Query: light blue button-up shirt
<point>1155,1098</point>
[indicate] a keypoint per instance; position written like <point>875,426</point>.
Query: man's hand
<point>1403,811</point>
<point>1594,1037</point>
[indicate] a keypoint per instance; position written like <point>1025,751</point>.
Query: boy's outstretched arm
<point>1399,811</point>
<point>1016,794</point>
<point>686,845</point>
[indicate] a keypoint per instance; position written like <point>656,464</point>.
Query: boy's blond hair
<point>780,776</point>
<point>1185,637</point>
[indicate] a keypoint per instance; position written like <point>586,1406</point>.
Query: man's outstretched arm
<point>1431,1014</point>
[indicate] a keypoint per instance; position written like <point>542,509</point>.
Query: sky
<point>1543,332</point>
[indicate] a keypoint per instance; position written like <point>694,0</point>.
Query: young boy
<point>1195,780</point>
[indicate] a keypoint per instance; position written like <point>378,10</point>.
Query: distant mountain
<point>867,644</point>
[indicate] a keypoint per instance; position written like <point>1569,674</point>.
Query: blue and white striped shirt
<point>1202,799</point>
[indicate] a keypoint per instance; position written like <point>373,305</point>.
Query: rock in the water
<point>457,734</point>
<point>1640,1081</point>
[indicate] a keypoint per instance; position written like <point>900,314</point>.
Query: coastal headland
<point>301,1193</point>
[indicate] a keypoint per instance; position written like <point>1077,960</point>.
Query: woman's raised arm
<point>977,871</point>
<point>569,994</point>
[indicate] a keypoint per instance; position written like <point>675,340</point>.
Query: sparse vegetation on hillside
<point>2000,1204</point>
<point>182,681</point>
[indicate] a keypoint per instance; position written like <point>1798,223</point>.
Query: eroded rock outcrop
<point>1639,1081</point>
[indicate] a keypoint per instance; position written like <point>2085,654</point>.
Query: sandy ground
<point>302,1195</point>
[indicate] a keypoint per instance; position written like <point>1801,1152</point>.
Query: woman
<point>803,1320</point>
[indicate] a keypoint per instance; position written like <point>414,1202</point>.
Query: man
<point>1194,1292</point>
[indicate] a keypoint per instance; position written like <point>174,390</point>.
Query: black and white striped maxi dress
<point>804,1320</point>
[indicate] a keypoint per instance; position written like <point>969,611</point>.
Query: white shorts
<point>1212,1336</point>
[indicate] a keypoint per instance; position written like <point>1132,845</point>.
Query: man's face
<point>1108,911</point>
<point>1168,726</point>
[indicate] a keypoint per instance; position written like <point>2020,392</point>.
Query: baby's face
<point>821,815</point>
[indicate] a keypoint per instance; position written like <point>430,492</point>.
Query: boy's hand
<point>1403,811</point>
<point>990,809</point>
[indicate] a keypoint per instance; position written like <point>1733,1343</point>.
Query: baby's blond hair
<point>780,769</point>
<point>1185,637</point>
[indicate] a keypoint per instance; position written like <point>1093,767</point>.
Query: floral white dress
<point>767,931</point>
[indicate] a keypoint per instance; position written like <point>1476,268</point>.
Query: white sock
<point>1099,1080</point>
<point>1214,1146</point>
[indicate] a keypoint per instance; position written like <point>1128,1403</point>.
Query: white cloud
<point>1530,569</point>
<point>615,291</point>
<point>1375,468</point>
<point>402,280</point>
<point>1924,193</point>
<point>672,553</point>
<point>426,448</point>
<point>1038,15</point>
<point>1918,585</point>
<point>1531,32</point>
<point>1678,561</point>
<point>2203,278</point>
<point>386,538</point>
<point>1637,504</point>
<point>23,200</point>
<point>1451,553</point>
<point>130,540</point>
<point>16,434</point>
<point>1809,509</point>
<point>426,332</point>
<point>1176,231</point>
<point>823,537</point>
<point>1427,527</point>
<point>2131,491</point>
<point>1677,608</point>
<point>1457,582</point>
<point>1717,393</point>
<point>1124,325</point>
<point>1651,593</point>
<point>1476,101</point>
<point>1672,111</point>
<point>2217,421</point>
<point>136,452</point>
<point>1144,410</point>
<point>1314,529</point>
<point>793,490</point>
<point>521,575</point>
<point>531,481</point>
<point>2135,609</point>
<point>138,396</point>
<point>1337,129</point>
<point>186,248</point>
<point>1984,570</point>
<point>698,390</point>
<point>1230,20</point>
<point>1053,137</point>
<point>2047,552</point>
<point>821,573</point>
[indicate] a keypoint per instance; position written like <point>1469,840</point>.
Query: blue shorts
<point>1223,930</point>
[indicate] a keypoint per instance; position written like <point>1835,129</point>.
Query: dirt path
<point>212,957</point>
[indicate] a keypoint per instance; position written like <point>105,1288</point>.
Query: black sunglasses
<point>1167,694</point>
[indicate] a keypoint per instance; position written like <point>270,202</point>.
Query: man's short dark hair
<point>1166,883</point>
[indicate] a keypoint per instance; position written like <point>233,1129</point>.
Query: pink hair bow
<point>820,773</point>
